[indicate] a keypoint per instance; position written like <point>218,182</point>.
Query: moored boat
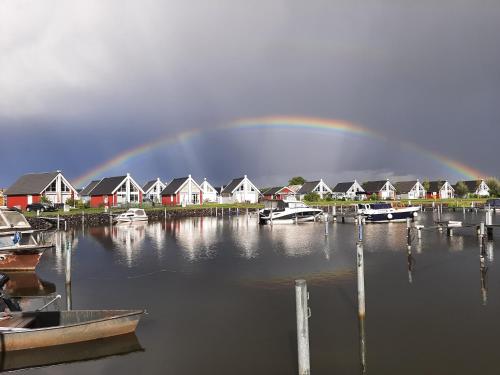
<point>38,329</point>
<point>385,212</point>
<point>132,215</point>
<point>288,212</point>
<point>19,250</point>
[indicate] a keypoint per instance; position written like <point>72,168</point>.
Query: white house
<point>478,187</point>
<point>383,189</point>
<point>318,187</point>
<point>410,190</point>
<point>441,190</point>
<point>182,191</point>
<point>152,190</point>
<point>348,190</point>
<point>240,190</point>
<point>209,192</point>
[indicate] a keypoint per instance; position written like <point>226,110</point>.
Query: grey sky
<point>81,81</point>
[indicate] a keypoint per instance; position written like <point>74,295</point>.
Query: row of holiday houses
<point>123,190</point>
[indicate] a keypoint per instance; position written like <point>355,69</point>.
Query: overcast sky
<point>81,81</point>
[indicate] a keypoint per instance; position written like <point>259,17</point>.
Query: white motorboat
<point>132,215</point>
<point>385,212</point>
<point>288,212</point>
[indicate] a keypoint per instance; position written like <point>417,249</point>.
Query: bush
<point>374,197</point>
<point>312,197</point>
<point>44,199</point>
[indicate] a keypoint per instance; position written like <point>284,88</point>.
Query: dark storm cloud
<point>86,80</point>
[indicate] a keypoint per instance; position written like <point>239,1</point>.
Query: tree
<point>312,197</point>
<point>461,189</point>
<point>426,184</point>
<point>44,199</point>
<point>297,180</point>
<point>494,186</point>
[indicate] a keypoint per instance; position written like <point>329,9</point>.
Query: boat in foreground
<point>385,212</point>
<point>132,215</point>
<point>38,329</point>
<point>288,212</point>
<point>19,250</point>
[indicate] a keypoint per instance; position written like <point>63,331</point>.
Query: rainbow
<point>275,122</point>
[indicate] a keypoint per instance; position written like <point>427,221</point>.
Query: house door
<point>30,199</point>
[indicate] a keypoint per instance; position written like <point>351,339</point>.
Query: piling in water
<point>302,312</point>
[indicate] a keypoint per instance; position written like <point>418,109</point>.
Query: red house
<point>182,191</point>
<point>31,187</point>
<point>116,191</point>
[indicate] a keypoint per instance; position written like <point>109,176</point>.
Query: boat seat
<point>17,322</point>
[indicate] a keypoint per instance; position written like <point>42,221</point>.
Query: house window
<point>64,187</point>
<point>52,187</point>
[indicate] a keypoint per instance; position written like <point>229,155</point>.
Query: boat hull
<point>16,259</point>
<point>395,217</point>
<point>88,329</point>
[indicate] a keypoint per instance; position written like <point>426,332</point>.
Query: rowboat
<point>39,329</point>
<point>83,351</point>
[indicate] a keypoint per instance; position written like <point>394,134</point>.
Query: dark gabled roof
<point>308,187</point>
<point>232,185</point>
<point>107,185</point>
<point>404,187</point>
<point>172,187</point>
<point>148,185</point>
<point>373,186</point>
<point>471,185</point>
<point>218,189</point>
<point>88,189</point>
<point>31,183</point>
<point>342,187</point>
<point>435,186</point>
<point>273,190</point>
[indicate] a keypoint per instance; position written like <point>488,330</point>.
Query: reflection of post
<point>69,298</point>
<point>361,295</point>
<point>326,223</point>
<point>410,265</point>
<point>302,311</point>
<point>482,270</point>
<point>68,274</point>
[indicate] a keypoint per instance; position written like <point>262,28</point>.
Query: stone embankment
<point>98,219</point>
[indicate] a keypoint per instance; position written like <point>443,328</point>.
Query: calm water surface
<point>220,298</point>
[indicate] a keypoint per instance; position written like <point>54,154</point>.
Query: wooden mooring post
<point>361,295</point>
<point>303,315</point>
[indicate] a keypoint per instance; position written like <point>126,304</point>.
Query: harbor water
<point>220,298</point>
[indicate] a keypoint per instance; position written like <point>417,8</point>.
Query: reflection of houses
<point>31,187</point>
<point>240,190</point>
<point>383,189</point>
<point>477,187</point>
<point>410,190</point>
<point>209,192</point>
<point>182,191</point>
<point>152,190</point>
<point>440,190</point>
<point>348,190</point>
<point>115,191</point>
<point>318,187</point>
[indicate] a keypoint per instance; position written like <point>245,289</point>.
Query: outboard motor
<point>7,302</point>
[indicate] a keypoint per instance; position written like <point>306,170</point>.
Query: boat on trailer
<point>381,212</point>
<point>19,250</point>
<point>288,212</point>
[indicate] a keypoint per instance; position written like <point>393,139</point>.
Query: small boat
<point>385,212</point>
<point>288,212</point>
<point>19,250</point>
<point>38,329</point>
<point>493,204</point>
<point>132,215</point>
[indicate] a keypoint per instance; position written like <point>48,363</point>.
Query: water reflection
<point>57,355</point>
